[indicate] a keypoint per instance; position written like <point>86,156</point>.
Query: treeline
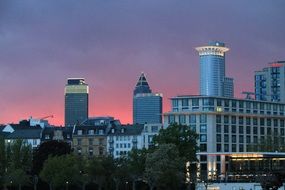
<point>53,166</point>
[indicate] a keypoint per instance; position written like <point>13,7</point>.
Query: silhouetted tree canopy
<point>46,149</point>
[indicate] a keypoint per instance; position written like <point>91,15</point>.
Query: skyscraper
<point>76,101</point>
<point>213,81</point>
<point>270,82</point>
<point>147,106</point>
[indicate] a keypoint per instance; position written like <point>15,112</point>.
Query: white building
<point>226,125</point>
<point>149,131</point>
<point>123,138</point>
<point>31,135</point>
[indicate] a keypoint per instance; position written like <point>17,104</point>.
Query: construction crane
<point>248,95</point>
<point>45,117</point>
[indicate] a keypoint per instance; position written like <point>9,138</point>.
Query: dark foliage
<point>46,149</point>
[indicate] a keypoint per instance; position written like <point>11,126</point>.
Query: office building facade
<point>270,83</point>
<point>147,106</point>
<point>90,137</point>
<point>213,81</point>
<point>76,101</point>
<point>122,139</point>
<point>226,127</point>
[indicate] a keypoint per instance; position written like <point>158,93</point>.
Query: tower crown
<point>213,48</point>
<point>142,85</point>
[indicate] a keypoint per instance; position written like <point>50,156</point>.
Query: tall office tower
<point>270,83</point>
<point>213,81</point>
<point>76,101</point>
<point>147,106</point>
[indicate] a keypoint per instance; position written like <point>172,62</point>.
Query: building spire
<point>142,85</point>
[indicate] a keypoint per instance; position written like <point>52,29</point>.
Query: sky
<point>110,42</point>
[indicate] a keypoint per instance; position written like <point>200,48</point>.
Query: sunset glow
<point>109,43</point>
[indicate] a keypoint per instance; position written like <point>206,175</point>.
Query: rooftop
<point>142,85</point>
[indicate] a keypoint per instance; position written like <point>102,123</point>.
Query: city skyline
<point>42,44</point>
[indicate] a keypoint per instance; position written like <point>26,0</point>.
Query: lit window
<point>79,132</point>
<point>203,138</point>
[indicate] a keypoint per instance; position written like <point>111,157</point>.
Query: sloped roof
<point>25,134</point>
<point>50,131</point>
<point>126,130</point>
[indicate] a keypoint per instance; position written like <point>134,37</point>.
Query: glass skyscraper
<point>213,81</point>
<point>76,101</point>
<point>147,106</point>
<point>270,83</point>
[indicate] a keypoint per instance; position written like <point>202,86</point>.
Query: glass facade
<point>76,102</point>
<point>147,106</point>
<point>269,83</point>
<point>213,81</point>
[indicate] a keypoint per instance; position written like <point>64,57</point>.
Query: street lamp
<point>66,185</point>
<point>35,180</point>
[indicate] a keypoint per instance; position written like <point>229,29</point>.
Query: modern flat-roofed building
<point>76,101</point>
<point>213,81</point>
<point>270,82</point>
<point>227,126</point>
<point>147,106</point>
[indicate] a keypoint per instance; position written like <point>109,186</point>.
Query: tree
<point>21,156</point>
<point>60,171</point>
<point>271,181</point>
<point>18,177</point>
<point>46,149</point>
<point>136,165</point>
<point>120,173</point>
<point>185,140</point>
<point>84,177</point>
<point>183,137</point>
<point>18,163</point>
<point>101,169</point>
<point>3,163</point>
<point>270,143</point>
<point>164,168</point>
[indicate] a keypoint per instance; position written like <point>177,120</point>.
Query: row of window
<point>123,145</point>
<point>226,148</point>
<point>152,129</point>
<point>47,136</point>
<point>229,105</point>
<point>90,142</point>
<point>249,130</point>
<point>226,119</point>
<point>91,132</point>
<point>192,118</point>
<point>249,120</point>
<point>226,139</point>
<point>124,138</point>
<point>195,102</point>
<point>121,153</point>
<point>90,151</point>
